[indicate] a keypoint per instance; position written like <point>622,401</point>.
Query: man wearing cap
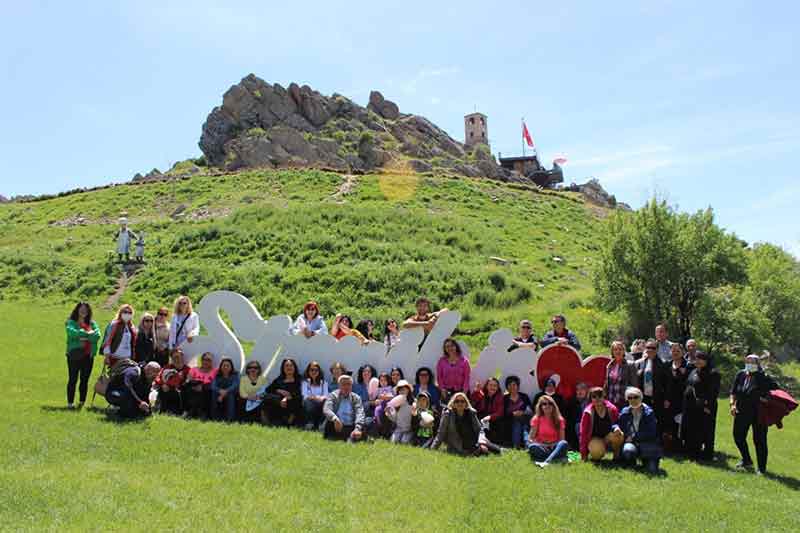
<point>560,334</point>
<point>526,339</point>
<point>344,412</point>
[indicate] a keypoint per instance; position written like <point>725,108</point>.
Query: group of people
<point>656,397</point>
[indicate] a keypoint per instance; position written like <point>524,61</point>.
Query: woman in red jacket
<point>487,399</point>
<point>599,428</point>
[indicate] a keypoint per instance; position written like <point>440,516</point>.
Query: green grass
<point>77,471</point>
<point>280,238</point>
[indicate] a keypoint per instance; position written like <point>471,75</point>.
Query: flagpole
<point>522,134</point>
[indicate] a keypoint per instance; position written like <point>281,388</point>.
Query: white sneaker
<point>542,464</point>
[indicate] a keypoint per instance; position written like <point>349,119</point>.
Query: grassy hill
<point>283,237</point>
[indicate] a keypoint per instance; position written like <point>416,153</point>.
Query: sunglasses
<point>162,314</point>
<point>459,401</point>
<point>528,327</point>
<point>252,368</point>
<point>596,396</point>
<point>147,320</point>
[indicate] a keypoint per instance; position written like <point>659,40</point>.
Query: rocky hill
<point>266,125</point>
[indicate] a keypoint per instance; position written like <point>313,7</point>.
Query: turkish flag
<point>527,135</point>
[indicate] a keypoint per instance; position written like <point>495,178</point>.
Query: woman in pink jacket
<point>599,428</point>
<point>452,370</point>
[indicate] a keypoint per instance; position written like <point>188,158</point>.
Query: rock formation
<point>263,125</point>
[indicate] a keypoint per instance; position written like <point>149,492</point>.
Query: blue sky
<point>694,101</point>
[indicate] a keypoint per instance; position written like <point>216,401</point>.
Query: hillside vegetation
<point>282,237</point>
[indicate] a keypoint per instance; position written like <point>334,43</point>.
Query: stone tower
<point>475,129</point>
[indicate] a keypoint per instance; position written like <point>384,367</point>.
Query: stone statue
<point>140,248</point>
<point>125,237</point>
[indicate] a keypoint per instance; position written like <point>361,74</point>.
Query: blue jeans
<point>630,453</point>
<point>519,431</point>
<point>548,453</point>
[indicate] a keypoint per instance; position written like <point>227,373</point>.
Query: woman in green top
<point>82,337</point>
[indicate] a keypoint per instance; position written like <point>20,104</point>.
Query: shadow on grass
<point>638,469</point>
<point>106,414</point>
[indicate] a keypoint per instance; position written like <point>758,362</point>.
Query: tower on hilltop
<point>475,129</point>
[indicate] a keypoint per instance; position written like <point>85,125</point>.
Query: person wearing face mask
<point>699,417</point>
<point>750,389</point>
<point>638,423</point>
<point>121,340</point>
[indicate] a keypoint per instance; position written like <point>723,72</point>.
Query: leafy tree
<point>657,264</point>
<point>775,279</point>
<point>731,317</point>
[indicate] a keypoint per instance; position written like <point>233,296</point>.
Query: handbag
<point>101,385</point>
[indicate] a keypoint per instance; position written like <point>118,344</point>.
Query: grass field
<point>78,471</point>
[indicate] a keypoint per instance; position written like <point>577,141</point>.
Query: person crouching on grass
<point>599,428</point>
<point>344,413</point>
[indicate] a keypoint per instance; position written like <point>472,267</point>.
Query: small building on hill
<point>475,130</point>
<point>530,167</point>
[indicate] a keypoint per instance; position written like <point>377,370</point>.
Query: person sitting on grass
<point>546,439</point>
<point>599,429</point>
<point>121,340</point>
<point>638,424</point>
<point>129,387</point>
<point>225,392</point>
<point>344,413</point>
<point>197,391</point>
<point>337,369</point>
<point>399,411</point>
<point>516,413</point>
<point>424,421</point>
<point>367,393</point>
<point>249,386</point>
<point>309,323</point>
<point>487,399</point>
<point>460,430</point>
<point>550,388</point>
<point>574,412</point>
<point>169,384</point>
<point>423,382</point>
<point>283,399</point>
<point>314,390</point>
<point>452,370</point>
<point>83,333</point>
<point>560,334</point>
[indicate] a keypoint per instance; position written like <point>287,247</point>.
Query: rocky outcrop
<point>265,125</point>
<point>593,192</point>
<point>3,199</point>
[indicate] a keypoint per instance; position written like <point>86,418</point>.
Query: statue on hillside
<point>125,237</point>
<point>140,248</point>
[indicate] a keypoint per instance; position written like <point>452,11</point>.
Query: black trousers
<point>741,425</point>
<point>82,369</point>
<point>170,402</point>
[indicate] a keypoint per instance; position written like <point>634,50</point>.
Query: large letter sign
<point>272,341</point>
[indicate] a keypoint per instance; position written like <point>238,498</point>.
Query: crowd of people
<point>658,397</point>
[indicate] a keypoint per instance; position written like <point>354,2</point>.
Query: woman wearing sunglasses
<point>251,386</point>
<point>460,430</point>
<point>638,423</point>
<point>185,325</point>
<point>547,442</point>
<point>162,336</point>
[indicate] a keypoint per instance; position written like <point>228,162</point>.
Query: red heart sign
<point>567,363</point>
